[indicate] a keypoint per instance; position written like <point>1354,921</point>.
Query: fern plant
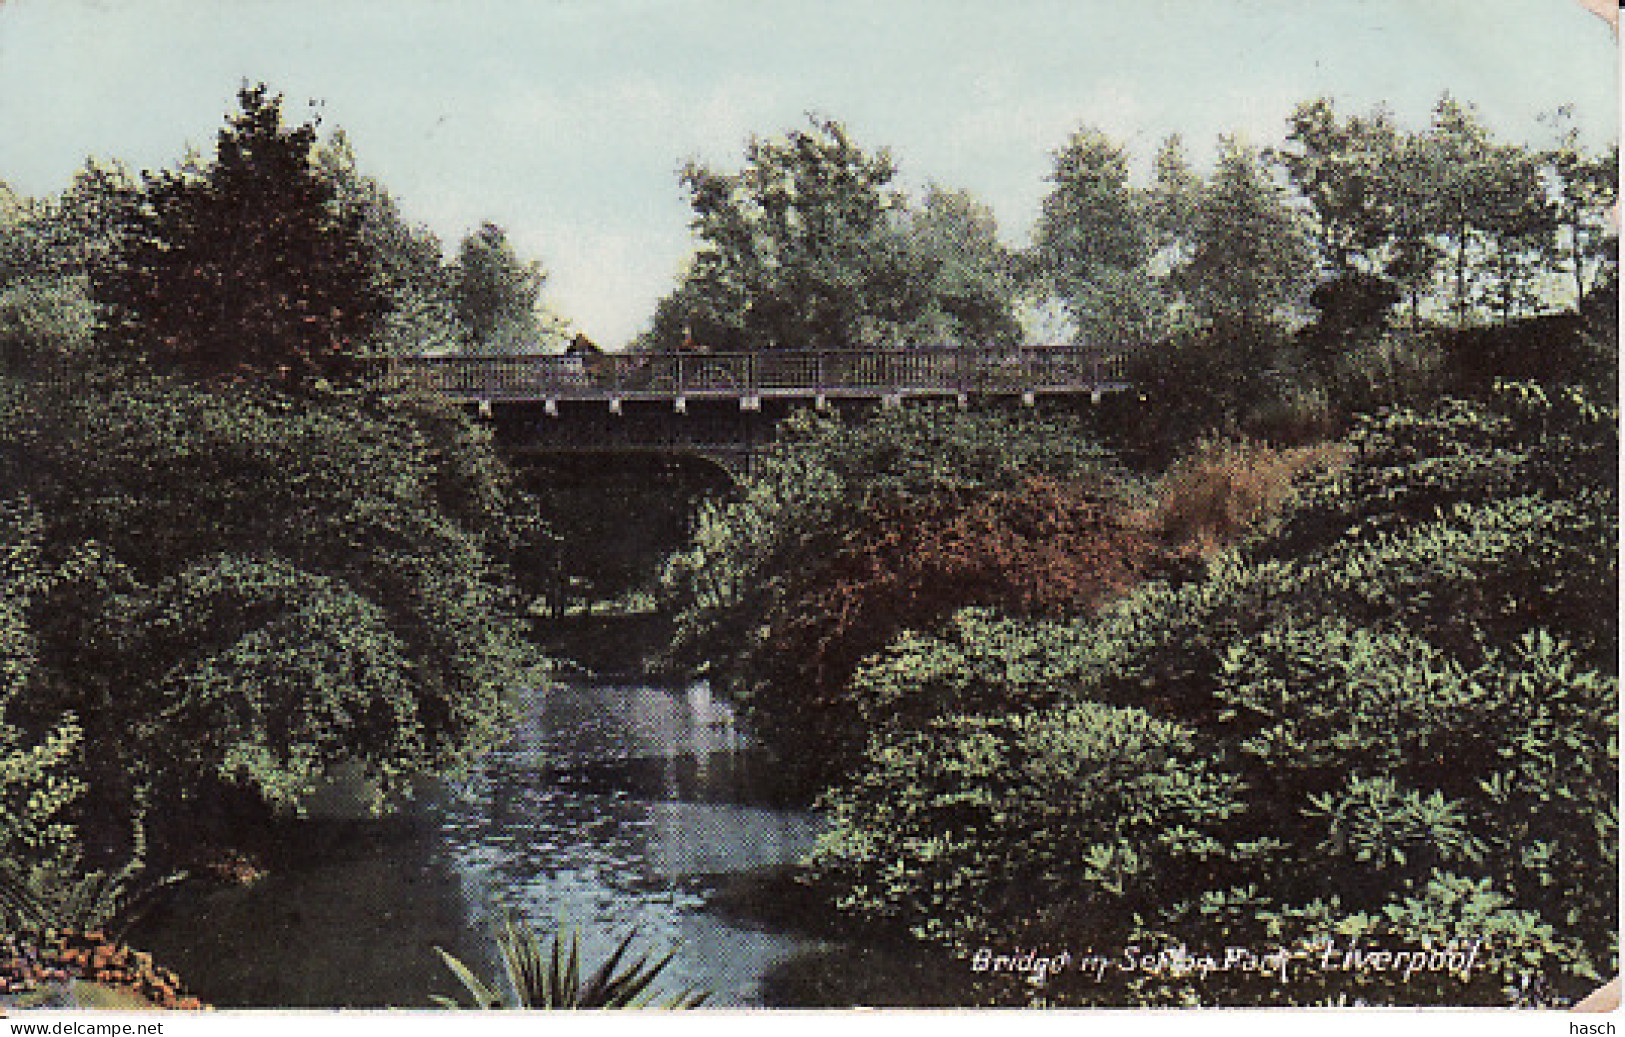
<point>551,977</point>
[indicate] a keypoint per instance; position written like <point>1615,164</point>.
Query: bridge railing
<point>781,373</point>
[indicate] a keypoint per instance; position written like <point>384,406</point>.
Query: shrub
<point>1391,369</point>
<point>992,828</point>
<point>1406,693</point>
<point>856,532</point>
<point>1046,549</point>
<point>249,589</point>
<point>1224,489</point>
<point>37,779</point>
<point>1293,415</point>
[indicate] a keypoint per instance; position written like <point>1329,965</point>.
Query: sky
<point>566,121</point>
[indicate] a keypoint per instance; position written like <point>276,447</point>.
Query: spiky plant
<point>550,977</point>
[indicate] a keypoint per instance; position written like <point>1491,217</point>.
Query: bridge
<point>723,406</point>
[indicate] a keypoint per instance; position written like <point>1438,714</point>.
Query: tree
<point>1171,204</point>
<point>1416,251</point>
<point>45,314</point>
<point>1339,167</point>
<point>848,533</point>
<point>243,266</point>
<point>1251,256</point>
<point>1584,188</point>
<point>497,294</point>
<point>971,275</point>
<point>407,265</point>
<point>1488,208</point>
<point>1172,201</point>
<point>1093,240</point>
<point>797,249</point>
<point>249,591</point>
<point>1520,226</point>
<point>37,783</point>
<point>1345,169</point>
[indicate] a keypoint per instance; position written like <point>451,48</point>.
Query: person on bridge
<point>688,344</point>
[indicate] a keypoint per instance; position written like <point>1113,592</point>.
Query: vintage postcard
<point>901,504</point>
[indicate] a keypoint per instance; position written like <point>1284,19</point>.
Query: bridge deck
<point>797,373</point>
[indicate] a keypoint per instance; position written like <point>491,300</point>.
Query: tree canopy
<point>811,245</point>
<point>215,590</point>
<point>497,295</point>
<point>243,264</point>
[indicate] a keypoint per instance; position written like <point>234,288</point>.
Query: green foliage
<point>1094,242</point>
<point>37,782</point>
<point>1405,694</point>
<point>496,295</point>
<point>243,265</point>
<point>1487,204</point>
<point>972,825</point>
<point>809,245</point>
<point>1448,215</point>
<point>50,310</point>
<point>1293,288</point>
<point>250,589</point>
<point>1342,168</point>
<point>1250,255</point>
<point>405,261</point>
<point>969,281</point>
<point>551,978</point>
<point>1090,217</point>
<point>821,469</point>
<point>1587,186</point>
<point>850,533</point>
<point>43,882</point>
<point>793,244</point>
<point>214,591</point>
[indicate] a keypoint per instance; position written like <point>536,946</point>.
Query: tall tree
<point>1484,197</point>
<point>1339,166</point>
<point>1519,223</point>
<point>1345,168</point>
<point>1251,255</point>
<point>498,295</point>
<point>1584,189</point>
<point>971,275</point>
<point>1415,252</point>
<point>1090,218</point>
<point>797,249</point>
<point>407,264</point>
<point>244,266</point>
<point>1094,239</point>
<point>1172,201</point>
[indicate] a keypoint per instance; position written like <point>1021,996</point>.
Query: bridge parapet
<point>784,373</point>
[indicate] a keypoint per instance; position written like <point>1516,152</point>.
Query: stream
<point>613,808</point>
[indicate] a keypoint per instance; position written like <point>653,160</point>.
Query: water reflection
<point>616,808</point>
<point>612,808</point>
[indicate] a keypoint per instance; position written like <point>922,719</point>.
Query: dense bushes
<point>1043,549</point>
<point>974,828</point>
<point>222,579</point>
<point>856,532</point>
<point>37,782</point>
<point>1223,490</point>
<point>247,589</point>
<point>1405,695</point>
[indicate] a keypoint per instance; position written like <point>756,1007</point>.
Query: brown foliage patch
<point>1224,489</point>
<point>31,962</point>
<point>1049,548</point>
